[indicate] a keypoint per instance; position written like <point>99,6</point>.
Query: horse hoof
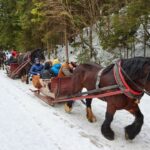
<point>126,136</point>
<point>108,133</point>
<point>111,138</point>
<point>90,116</point>
<point>93,119</point>
<point>67,108</point>
<point>129,133</point>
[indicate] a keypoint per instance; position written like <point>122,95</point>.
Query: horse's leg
<point>3,66</point>
<point>68,106</point>
<point>106,129</point>
<point>90,116</point>
<point>132,130</point>
<point>27,79</point>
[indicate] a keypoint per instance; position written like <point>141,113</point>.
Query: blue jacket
<point>55,69</point>
<point>36,69</point>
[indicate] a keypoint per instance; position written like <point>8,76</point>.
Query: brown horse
<point>135,75</point>
<point>37,53</point>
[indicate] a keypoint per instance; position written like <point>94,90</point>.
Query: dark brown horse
<point>37,53</point>
<point>135,74</point>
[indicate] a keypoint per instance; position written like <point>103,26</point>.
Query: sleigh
<point>15,68</point>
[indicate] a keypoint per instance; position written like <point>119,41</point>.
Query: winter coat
<point>46,72</point>
<point>11,60</point>
<point>36,69</point>
<point>64,70</point>
<point>55,69</point>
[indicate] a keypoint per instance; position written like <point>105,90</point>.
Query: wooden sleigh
<point>60,92</point>
<point>15,68</point>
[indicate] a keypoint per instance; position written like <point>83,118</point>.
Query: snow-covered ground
<point>27,123</point>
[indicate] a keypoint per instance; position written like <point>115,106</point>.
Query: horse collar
<point>123,85</point>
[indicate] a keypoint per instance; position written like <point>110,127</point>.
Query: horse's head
<point>138,69</point>
<point>38,53</point>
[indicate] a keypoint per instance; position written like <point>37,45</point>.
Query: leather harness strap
<point>99,78</point>
<point>123,85</point>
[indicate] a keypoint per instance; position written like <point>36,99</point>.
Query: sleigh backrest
<point>61,86</point>
<point>13,66</point>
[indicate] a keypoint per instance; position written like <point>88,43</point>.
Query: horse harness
<point>122,84</point>
<point>99,78</point>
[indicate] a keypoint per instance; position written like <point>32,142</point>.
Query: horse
<point>2,59</point>
<point>37,53</point>
<point>131,75</point>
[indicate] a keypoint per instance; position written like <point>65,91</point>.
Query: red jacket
<point>14,53</point>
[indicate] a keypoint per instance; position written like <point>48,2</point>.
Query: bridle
<point>135,84</point>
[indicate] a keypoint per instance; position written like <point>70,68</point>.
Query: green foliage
<point>17,29</point>
<point>84,56</point>
<point>37,14</point>
<point>118,30</point>
<point>28,24</point>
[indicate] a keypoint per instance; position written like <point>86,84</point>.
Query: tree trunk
<point>127,52</point>
<point>48,49</point>
<point>66,45</point>
<point>82,42</point>
<point>91,42</point>
<point>145,33</point>
<point>120,52</point>
<point>144,44</point>
<point>124,52</point>
<point>131,49</point>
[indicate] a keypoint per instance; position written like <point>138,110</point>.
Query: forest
<point>29,24</point>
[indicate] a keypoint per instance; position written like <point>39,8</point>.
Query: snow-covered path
<point>27,123</point>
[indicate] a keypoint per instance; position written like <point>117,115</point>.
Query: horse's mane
<point>108,68</point>
<point>90,65</point>
<point>87,67</point>
<point>37,53</point>
<point>134,67</point>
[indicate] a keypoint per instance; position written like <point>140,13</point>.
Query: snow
<point>27,123</point>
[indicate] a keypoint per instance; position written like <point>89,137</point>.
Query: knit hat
<point>55,61</point>
<point>47,66</point>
